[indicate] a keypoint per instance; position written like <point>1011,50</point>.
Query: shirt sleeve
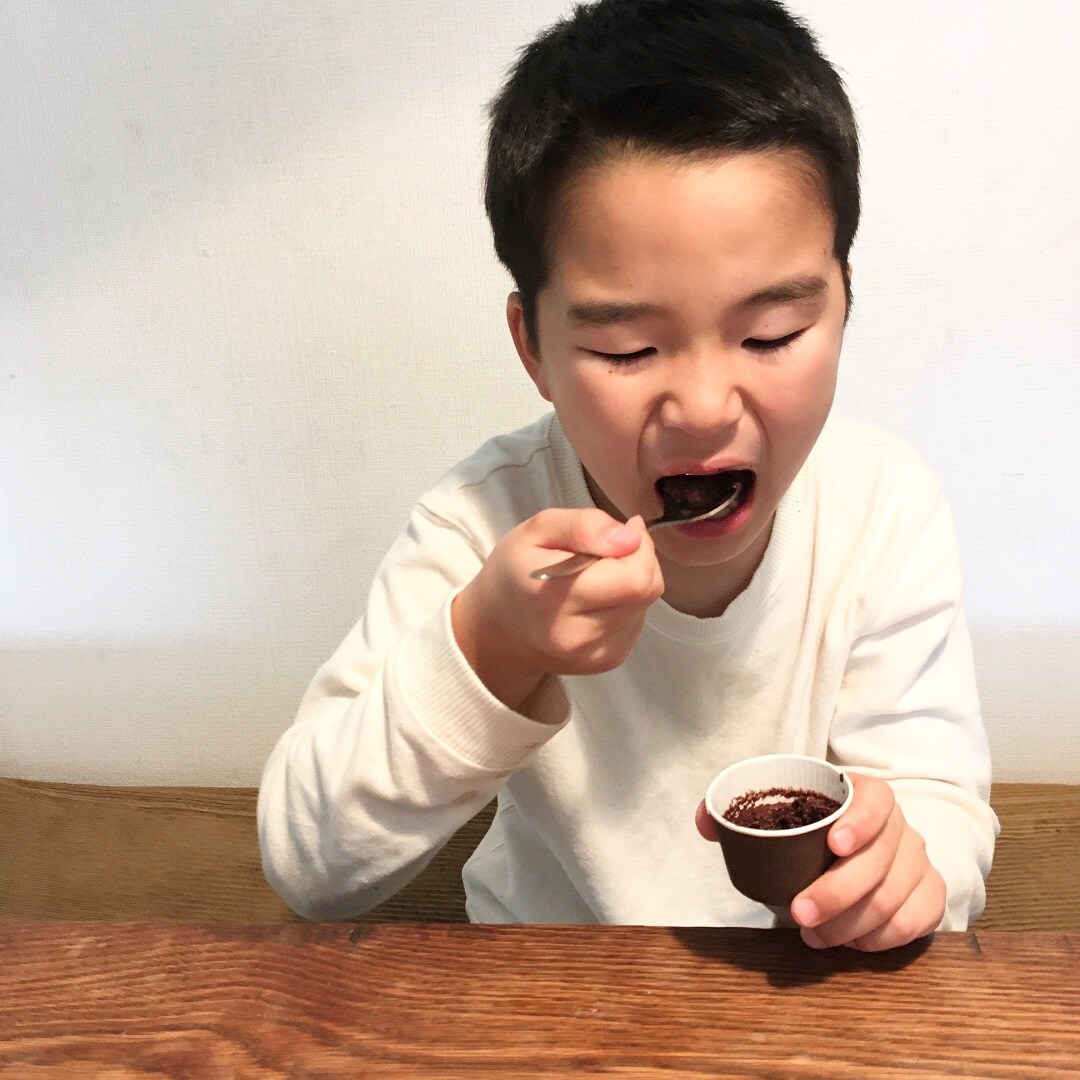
<point>908,712</point>
<point>396,744</point>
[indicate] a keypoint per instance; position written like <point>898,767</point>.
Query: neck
<point>706,591</point>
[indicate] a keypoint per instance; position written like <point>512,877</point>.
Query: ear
<point>526,350</point>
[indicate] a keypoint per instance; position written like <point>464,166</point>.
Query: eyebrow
<point>612,312</point>
<point>804,287</point>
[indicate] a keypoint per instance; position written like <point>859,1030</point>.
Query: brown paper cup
<point>773,866</point>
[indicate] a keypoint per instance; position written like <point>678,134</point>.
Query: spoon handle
<point>573,565</point>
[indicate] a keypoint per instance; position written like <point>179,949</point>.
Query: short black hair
<point>683,78</point>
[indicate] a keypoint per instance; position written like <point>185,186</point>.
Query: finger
<point>705,824</point>
<point>921,915</point>
<point>615,583</point>
<point>881,903</point>
<point>871,804</point>
<point>588,530</point>
<point>847,881</point>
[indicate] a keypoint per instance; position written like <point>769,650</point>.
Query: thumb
<point>624,539</point>
<point>596,532</point>
<point>708,828</point>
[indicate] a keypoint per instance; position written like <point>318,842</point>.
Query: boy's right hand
<point>515,631</point>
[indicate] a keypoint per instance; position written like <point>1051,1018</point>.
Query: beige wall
<point>249,309</point>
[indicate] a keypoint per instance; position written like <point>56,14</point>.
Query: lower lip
<point>725,526</point>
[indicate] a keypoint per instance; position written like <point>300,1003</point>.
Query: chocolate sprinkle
<point>790,808</point>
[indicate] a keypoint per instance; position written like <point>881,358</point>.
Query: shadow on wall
<point>1030,701</point>
<point>208,712</point>
<point>197,712</point>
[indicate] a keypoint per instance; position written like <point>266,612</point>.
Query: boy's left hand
<point>882,891</point>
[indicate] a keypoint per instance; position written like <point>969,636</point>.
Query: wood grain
<point>125,1001</point>
<point>79,851</point>
<point>1034,883</point>
<point>72,851</point>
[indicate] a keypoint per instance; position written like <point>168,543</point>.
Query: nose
<point>704,395</point>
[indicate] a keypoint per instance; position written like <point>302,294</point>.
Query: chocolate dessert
<point>779,808</point>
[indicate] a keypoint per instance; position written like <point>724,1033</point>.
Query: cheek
<point>600,399</point>
<point>800,396</point>
<point>603,424</point>
<point>816,371</point>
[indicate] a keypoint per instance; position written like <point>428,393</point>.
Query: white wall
<point>249,310</point>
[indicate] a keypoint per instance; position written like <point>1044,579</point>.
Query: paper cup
<point>773,866</point>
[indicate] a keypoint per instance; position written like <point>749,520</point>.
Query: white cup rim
<point>800,830</point>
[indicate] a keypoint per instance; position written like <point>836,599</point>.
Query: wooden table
<point>124,1000</point>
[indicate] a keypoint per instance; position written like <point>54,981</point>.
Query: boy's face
<point>692,322</point>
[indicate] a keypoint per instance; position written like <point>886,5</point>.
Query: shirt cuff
<point>960,851</point>
<point>446,698</point>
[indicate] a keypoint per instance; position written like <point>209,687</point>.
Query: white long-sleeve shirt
<point>849,643</point>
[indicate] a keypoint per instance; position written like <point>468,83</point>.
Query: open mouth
<point>687,495</point>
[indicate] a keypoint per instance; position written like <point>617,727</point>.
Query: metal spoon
<point>671,516</point>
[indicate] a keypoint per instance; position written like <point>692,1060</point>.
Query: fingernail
<point>805,912</point>
<point>843,841</point>
<point>621,534</point>
<point>811,939</point>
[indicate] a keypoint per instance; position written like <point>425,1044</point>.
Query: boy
<point>673,185</point>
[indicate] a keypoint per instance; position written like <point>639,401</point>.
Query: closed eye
<point>622,358</point>
<point>773,345</point>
